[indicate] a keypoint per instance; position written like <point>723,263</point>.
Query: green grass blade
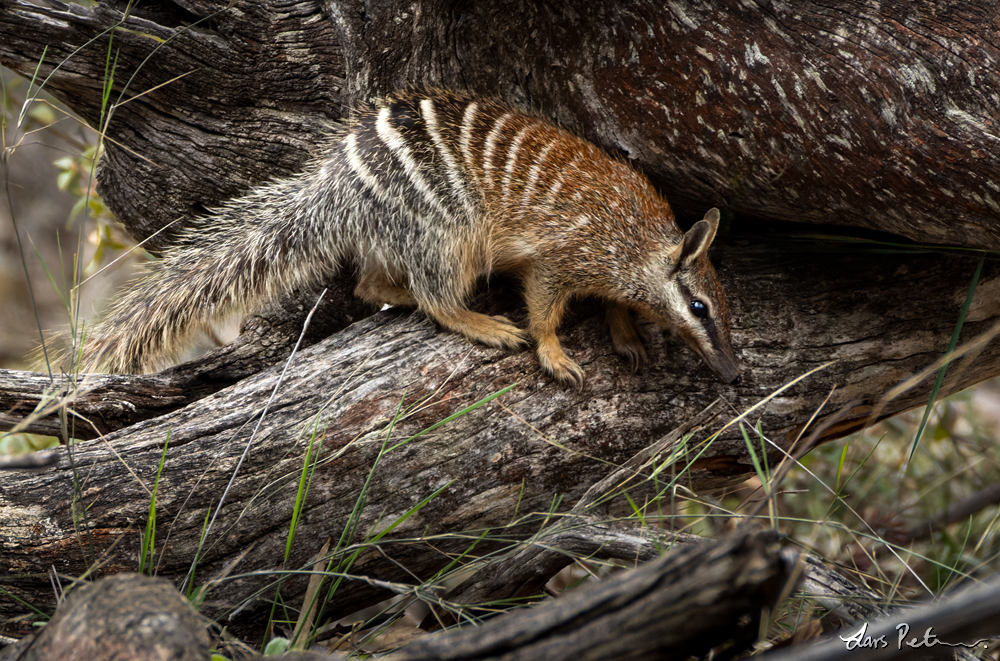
<point>197,595</point>
<point>840,464</point>
<point>459,414</point>
<point>758,467</point>
<point>305,478</point>
<point>28,98</point>
<point>149,536</point>
<point>951,348</point>
<point>14,597</point>
<point>413,510</point>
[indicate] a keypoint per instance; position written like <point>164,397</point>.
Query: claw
<point>562,368</point>
<point>625,337</point>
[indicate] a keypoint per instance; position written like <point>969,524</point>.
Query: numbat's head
<point>691,301</point>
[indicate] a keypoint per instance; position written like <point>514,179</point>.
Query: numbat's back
<point>424,195</point>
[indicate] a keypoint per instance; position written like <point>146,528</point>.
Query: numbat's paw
<point>624,337</point>
<point>562,368</point>
<point>498,332</point>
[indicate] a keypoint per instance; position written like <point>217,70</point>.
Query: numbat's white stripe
<point>451,165</point>
<point>395,141</point>
<point>535,172</point>
<point>491,144</point>
<point>468,122</point>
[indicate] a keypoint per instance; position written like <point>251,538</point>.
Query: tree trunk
<point>888,128</point>
<point>879,116</point>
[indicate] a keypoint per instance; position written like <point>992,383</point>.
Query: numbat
<point>424,194</point>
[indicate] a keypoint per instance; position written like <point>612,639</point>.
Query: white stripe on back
<point>491,144</point>
<point>515,147</point>
<point>535,172</point>
<point>397,144</point>
<point>429,113</point>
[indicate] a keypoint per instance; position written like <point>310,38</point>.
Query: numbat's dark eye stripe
<point>698,308</point>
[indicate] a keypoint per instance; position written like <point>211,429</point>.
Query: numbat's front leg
<point>498,331</point>
<point>625,338</point>
<point>546,306</point>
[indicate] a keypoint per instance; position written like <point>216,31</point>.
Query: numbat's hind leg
<point>376,287</point>
<point>499,332</point>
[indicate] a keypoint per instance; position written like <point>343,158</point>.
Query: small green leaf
<point>65,179</point>
<point>65,163</point>
<point>42,113</point>
<point>276,647</point>
<point>78,207</point>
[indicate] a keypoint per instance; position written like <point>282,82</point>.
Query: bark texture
<point>962,626</point>
<point>875,115</point>
<point>37,404</point>
<point>695,598</point>
<point>685,604</point>
<point>122,617</point>
<point>503,461</point>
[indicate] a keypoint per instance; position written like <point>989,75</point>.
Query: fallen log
<point>696,598</point>
<point>127,616</point>
<point>503,461</point>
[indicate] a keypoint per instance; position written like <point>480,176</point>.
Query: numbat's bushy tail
<point>424,194</point>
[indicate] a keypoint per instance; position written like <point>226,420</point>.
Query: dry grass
<point>879,524</point>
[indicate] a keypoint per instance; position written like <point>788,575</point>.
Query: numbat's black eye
<point>698,308</point>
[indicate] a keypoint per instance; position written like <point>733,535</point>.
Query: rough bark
<point>880,115</point>
<point>958,626</point>
<point>768,112</point>
<point>682,605</point>
<point>506,459</point>
<point>35,403</point>
<point>523,573</point>
<point>694,599</point>
<point>685,603</point>
<point>120,617</point>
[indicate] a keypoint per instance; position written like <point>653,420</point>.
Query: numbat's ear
<point>699,238</point>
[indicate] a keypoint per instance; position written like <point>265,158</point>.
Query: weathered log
<point>34,403</point>
<point>876,116</point>
<point>954,627</point>
<point>693,599</point>
<point>504,460</point>
<point>700,597</point>
<point>120,617</point>
<point>523,573</point>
